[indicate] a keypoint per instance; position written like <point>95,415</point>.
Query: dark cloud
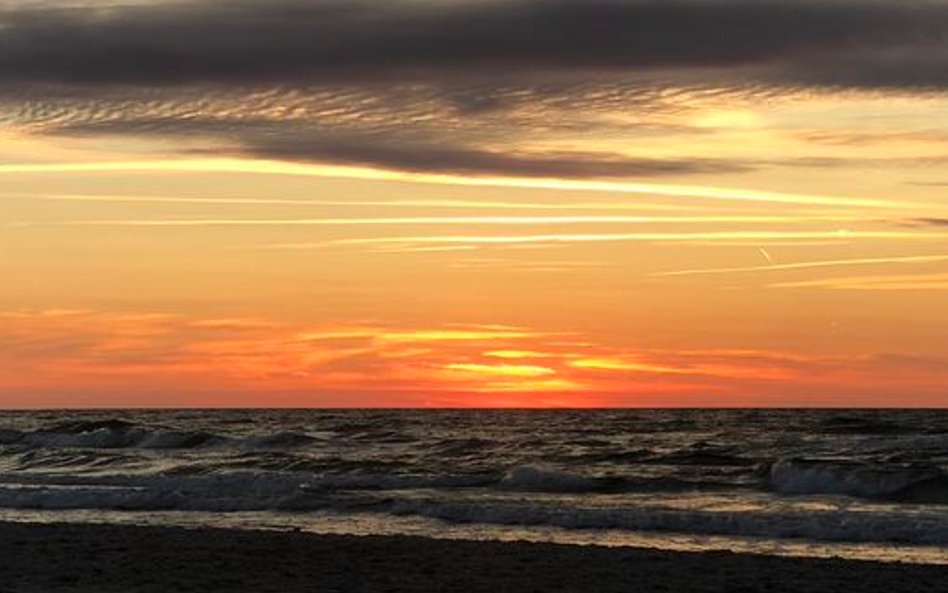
<point>429,151</point>
<point>832,42</point>
<point>472,160</point>
<point>832,137</point>
<point>292,142</point>
<point>934,160</point>
<point>492,87</point>
<point>935,222</point>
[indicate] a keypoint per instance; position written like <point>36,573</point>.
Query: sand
<point>92,558</point>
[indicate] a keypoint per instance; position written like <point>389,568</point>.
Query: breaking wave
<point>903,483</point>
<point>406,496</point>
<point>830,526</point>
<point>853,475</point>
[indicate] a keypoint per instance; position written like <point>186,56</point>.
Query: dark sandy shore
<point>86,558</point>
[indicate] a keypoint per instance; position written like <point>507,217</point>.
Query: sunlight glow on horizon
<point>103,352</point>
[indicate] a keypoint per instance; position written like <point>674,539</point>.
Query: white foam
<point>915,528</point>
<point>439,497</point>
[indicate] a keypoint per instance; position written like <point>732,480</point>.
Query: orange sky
<point>722,243</point>
<point>194,289</point>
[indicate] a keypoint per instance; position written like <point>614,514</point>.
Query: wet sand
<point>92,558</point>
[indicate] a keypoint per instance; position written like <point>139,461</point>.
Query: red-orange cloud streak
<point>88,358</point>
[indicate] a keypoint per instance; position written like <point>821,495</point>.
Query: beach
<point>104,558</point>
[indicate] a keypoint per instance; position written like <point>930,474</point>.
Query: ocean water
<point>861,484</point>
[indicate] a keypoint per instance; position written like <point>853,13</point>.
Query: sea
<point>866,484</point>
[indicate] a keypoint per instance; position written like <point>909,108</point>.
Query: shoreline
<point>92,558</point>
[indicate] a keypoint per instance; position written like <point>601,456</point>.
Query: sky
<point>473,203</point>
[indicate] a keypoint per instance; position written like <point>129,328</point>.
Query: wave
<point>280,440</point>
<point>47,460</point>
<point>84,426</point>
<point>460,447</point>
<point>119,434</point>
<point>849,424</point>
<point>691,456</point>
<point>389,495</point>
<point>540,479</point>
<point>109,434</point>
<point>830,526</point>
<point>926,446</point>
<point>218,492</point>
<point>899,483</point>
<point>701,454</point>
<point>206,486</point>
<point>508,453</point>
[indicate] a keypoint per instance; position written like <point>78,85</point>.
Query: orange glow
<point>501,370</point>
<point>452,335</point>
<point>106,354</point>
<point>515,354</point>
<point>607,364</point>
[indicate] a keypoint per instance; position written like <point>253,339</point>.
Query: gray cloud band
<point>827,42</point>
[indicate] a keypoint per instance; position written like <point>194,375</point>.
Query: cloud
<point>473,87</point>
<point>923,161</point>
<point>495,220</point>
<point>373,204</point>
<point>617,188</point>
<point>470,160</point>
<point>848,42</point>
<point>755,236</point>
<point>849,137</point>
<point>476,149</point>
<point>413,130</point>
<point>414,147</point>
<point>96,358</point>
<point>935,222</point>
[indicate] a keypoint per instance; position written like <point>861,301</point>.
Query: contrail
<point>609,237</point>
<point>344,172</point>
<point>811,264</point>
<point>443,220</point>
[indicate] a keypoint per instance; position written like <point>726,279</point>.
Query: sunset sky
<point>473,203</point>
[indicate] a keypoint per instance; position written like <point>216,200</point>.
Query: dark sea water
<point>855,483</point>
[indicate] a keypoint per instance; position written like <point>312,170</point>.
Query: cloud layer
<point>472,87</point>
<point>297,42</point>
